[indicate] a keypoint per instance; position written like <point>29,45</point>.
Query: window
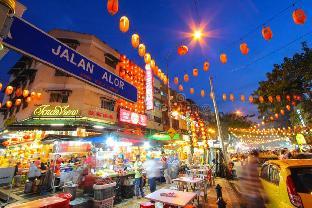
<point>59,97</point>
<point>59,73</point>
<point>264,172</point>
<point>302,178</point>
<point>72,43</point>
<point>111,60</point>
<point>107,104</point>
<point>274,175</point>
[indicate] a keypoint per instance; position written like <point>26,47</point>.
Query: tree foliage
<point>293,77</point>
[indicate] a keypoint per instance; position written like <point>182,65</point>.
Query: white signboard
<point>149,88</point>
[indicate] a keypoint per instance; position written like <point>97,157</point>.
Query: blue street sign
<point>31,41</point>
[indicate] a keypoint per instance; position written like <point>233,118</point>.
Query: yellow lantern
<point>202,93</point>
<point>195,72</point>
<point>25,93</point>
<point>192,90</point>
<point>224,96</point>
<point>147,58</point>
<point>33,95</point>
<point>186,78</point>
<point>261,99</point>
<point>9,90</point>
<point>8,104</point>
<point>124,24</point>
<point>142,49</point>
<point>206,66</point>
<point>135,40</point>
<point>153,64</point>
<point>28,99</point>
<point>18,102</point>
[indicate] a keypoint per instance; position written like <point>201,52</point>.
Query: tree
<point>291,78</point>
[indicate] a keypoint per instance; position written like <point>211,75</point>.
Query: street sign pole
<point>217,118</point>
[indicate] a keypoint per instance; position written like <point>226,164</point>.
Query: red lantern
<point>224,96</point>
<point>267,33</point>
<point>223,58</point>
<point>244,48</point>
<point>261,99</point>
<point>112,6</point>
<point>186,78</point>
<point>182,50</point>
<point>288,97</point>
<point>293,103</point>
<point>176,80</point>
<point>180,88</point>
<point>202,93</point>
<point>278,98</point>
<point>250,99</point>
<point>18,102</point>
<point>270,99</point>
<point>232,97</point>
<point>192,90</point>
<point>18,92</point>
<point>243,98</point>
<point>288,107</point>
<point>299,16</point>
<point>9,90</point>
<point>8,104</point>
<point>206,66</point>
<point>195,72</point>
<point>282,112</point>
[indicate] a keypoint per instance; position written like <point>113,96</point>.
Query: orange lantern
<point>165,79</point>
<point>250,99</point>
<point>267,33</point>
<point>18,102</point>
<point>244,48</point>
<point>112,6</point>
<point>155,70</point>
<point>124,24</point>
<point>192,90</point>
<point>0,105</point>
<point>261,99</point>
<point>0,86</point>
<point>147,58</point>
<point>276,115</point>
<point>39,94</point>
<point>176,80</point>
<point>224,96</point>
<point>8,104</point>
<point>299,16</point>
<point>25,93</point>
<point>206,66</point>
<point>282,112</point>
<point>19,92</point>
<point>232,97</point>
<point>223,58</point>
<point>152,63</point>
<point>180,88</point>
<point>270,99</point>
<point>186,78</point>
<point>288,107</point>
<point>195,72</point>
<point>278,98</point>
<point>9,90</point>
<point>242,98</point>
<point>28,99</point>
<point>135,40</point>
<point>272,118</point>
<point>202,93</point>
<point>182,50</point>
<point>141,49</point>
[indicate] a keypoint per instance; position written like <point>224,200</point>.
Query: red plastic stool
<point>169,206</point>
<point>189,206</point>
<point>147,205</point>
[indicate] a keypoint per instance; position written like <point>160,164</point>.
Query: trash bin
<point>104,191</point>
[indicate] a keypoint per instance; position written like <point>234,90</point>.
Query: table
<point>192,181</point>
<point>51,202</point>
<point>181,198</point>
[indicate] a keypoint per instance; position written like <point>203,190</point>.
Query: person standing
<point>152,168</point>
<point>138,180</point>
<point>164,161</point>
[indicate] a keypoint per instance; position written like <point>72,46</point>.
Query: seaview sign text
<point>55,111</point>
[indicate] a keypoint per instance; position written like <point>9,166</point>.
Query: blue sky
<point>162,24</point>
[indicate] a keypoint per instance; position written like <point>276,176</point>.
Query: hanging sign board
<point>31,41</point>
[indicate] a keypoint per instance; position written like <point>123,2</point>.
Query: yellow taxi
<point>287,183</point>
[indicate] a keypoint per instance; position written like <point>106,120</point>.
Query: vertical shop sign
<point>149,88</point>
